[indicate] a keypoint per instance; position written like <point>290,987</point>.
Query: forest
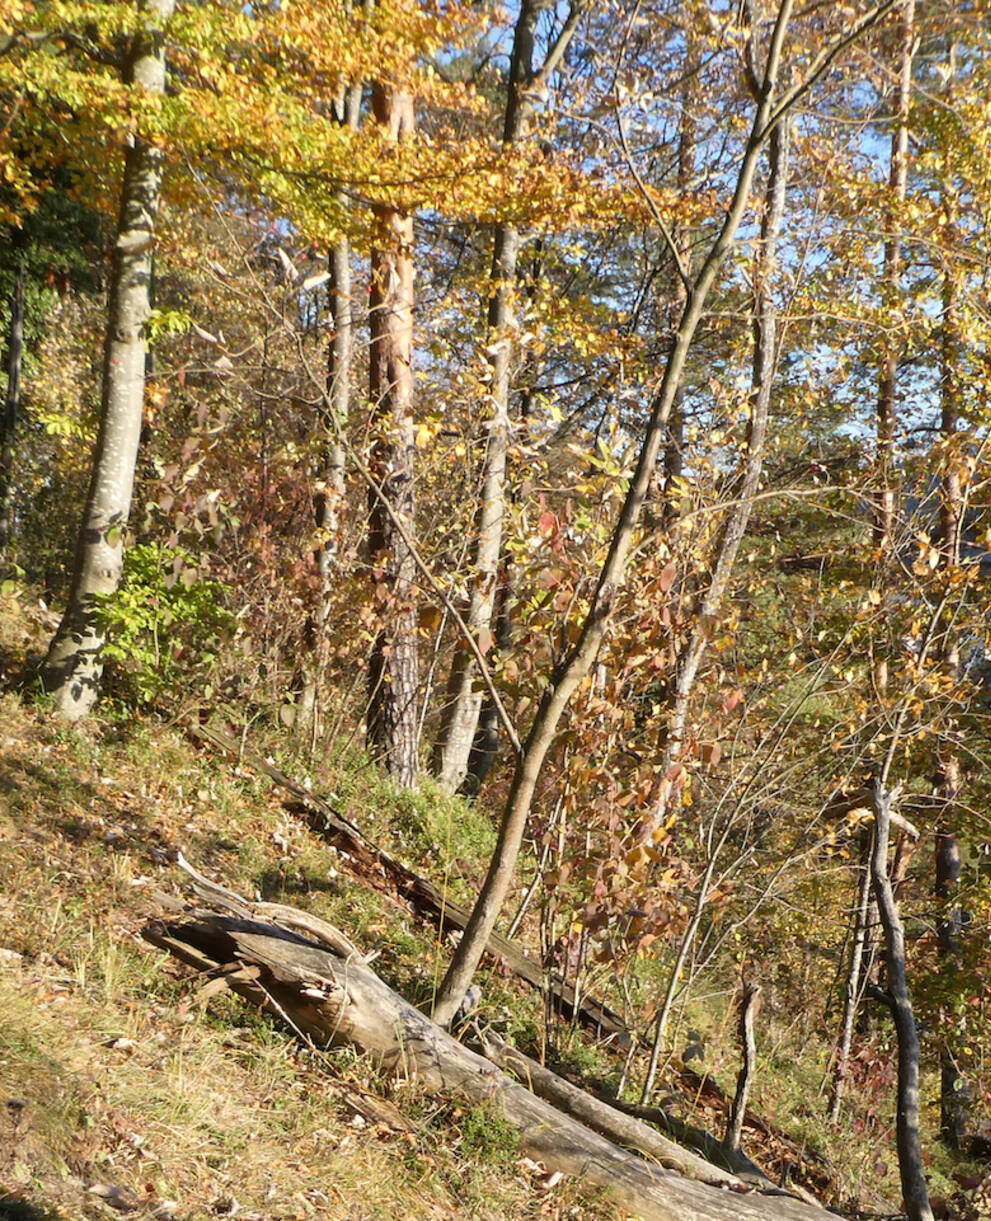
<point>532,461</point>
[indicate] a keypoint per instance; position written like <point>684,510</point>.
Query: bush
<point>166,620</point>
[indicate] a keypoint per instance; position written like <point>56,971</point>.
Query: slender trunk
<point>854,979</point>
<point>910,1164</point>
<point>463,703</point>
<point>954,1093</point>
<point>393,668</point>
<point>11,406</point>
<point>74,665</point>
<point>765,321</point>
<point>576,664</point>
<point>329,496</point>
<point>749,1008</point>
<point>486,740</point>
<point>891,348</point>
<point>674,447</point>
<point>765,350</point>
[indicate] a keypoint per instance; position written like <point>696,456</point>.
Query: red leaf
<point>666,579</point>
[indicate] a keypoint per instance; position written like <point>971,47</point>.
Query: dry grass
<point>119,1092</point>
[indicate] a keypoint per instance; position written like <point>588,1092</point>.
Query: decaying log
<point>379,867</point>
<point>689,1150</point>
<point>332,999</point>
<point>611,1122</point>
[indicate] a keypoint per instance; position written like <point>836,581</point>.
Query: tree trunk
<point>910,1165</point>
<point>734,529</point>
<point>393,668</point>
<point>576,664</point>
<point>749,1008</point>
<point>74,665</point>
<point>954,1092</point>
<point>486,741</point>
<point>891,276</point>
<point>462,703</point>
<point>329,497</point>
<point>854,978</point>
<point>11,406</point>
<point>674,446</point>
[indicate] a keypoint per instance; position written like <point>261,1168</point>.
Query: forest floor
<point>126,1089</point>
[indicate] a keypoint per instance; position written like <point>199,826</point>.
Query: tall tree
<point>74,665</point>
<point>330,494</point>
<point>771,107</point>
<point>946,780</point>
<point>742,491</point>
<point>463,702</point>
<point>393,668</point>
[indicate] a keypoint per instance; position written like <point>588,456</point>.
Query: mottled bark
<point>74,665</point>
<point>393,668</point>
<point>329,495</point>
<point>13,365</point>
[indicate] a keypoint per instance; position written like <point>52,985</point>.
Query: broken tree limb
<point>333,1000</point>
<point>608,1121</point>
<point>749,1006</point>
<point>382,870</point>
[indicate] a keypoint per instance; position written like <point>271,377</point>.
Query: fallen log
<point>332,999</point>
<point>617,1125</point>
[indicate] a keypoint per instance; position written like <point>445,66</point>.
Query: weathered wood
<point>330,999</point>
<point>612,1123</point>
<point>749,1006</point>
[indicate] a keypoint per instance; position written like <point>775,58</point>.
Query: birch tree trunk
<point>393,668</point>
<point>330,494</point>
<point>74,665</point>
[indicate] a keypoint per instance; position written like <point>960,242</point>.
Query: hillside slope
<point>122,1089</point>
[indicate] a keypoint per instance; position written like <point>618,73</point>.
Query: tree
<point>12,402</point>
<point>770,109</point>
<point>393,669</point>
<point>74,665</point>
<point>463,703</point>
